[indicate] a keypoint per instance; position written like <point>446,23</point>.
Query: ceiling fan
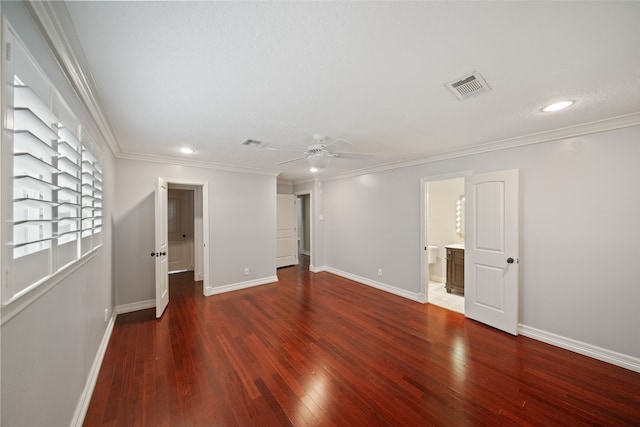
<point>320,154</point>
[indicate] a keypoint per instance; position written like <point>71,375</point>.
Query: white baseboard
<point>317,269</point>
<point>135,306</point>
<point>241,285</point>
<point>599,353</point>
<point>85,397</point>
<point>378,285</point>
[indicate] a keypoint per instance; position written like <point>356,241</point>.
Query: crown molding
<point>53,18</point>
<point>195,164</point>
<point>604,125</point>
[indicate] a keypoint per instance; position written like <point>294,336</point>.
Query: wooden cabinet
<point>455,270</point>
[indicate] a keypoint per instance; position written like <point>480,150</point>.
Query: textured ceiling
<point>212,74</point>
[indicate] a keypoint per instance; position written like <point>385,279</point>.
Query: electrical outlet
<point>379,272</point>
<point>106,314</point>
<point>246,271</point>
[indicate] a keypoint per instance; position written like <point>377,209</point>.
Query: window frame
<point>67,191</point>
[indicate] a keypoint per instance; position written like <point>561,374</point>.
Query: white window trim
<point>15,303</point>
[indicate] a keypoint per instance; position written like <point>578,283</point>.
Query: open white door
<point>286,231</point>
<point>161,249</point>
<point>491,249</point>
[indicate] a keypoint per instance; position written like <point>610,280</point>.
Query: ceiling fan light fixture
<point>319,162</point>
<point>186,150</point>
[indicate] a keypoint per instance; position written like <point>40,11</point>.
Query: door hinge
<point>8,51</point>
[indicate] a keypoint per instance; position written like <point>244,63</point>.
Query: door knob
<point>153,254</point>
<point>509,260</point>
<point>163,253</point>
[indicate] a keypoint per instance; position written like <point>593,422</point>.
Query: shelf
<point>28,162</point>
<point>34,183</point>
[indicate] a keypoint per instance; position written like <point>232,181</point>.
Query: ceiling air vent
<point>468,86</point>
<point>254,143</point>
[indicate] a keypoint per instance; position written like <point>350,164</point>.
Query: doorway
<point>487,213</point>
<point>444,242</point>
<point>193,208</point>
<point>180,225</point>
<point>305,228</point>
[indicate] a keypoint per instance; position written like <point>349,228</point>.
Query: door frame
<point>424,220</point>
<point>309,219</point>
<point>200,226</point>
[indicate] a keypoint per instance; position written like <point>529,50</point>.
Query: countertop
<point>455,246</point>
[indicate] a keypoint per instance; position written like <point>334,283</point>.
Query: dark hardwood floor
<point>317,349</point>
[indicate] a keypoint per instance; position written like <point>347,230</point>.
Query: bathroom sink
<point>455,246</point>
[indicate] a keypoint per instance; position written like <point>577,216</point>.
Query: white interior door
<point>180,229</point>
<point>161,249</point>
<point>286,231</point>
<point>491,249</point>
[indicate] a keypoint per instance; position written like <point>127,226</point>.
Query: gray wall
<point>49,347</point>
<point>579,210</point>
<point>242,212</point>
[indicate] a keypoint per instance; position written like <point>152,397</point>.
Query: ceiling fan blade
<point>292,160</point>
<point>338,144</point>
<point>349,155</point>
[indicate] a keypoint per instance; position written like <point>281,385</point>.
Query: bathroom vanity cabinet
<point>455,270</point>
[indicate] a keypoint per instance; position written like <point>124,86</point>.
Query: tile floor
<point>438,295</point>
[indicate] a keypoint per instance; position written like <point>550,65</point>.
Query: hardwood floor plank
<point>321,350</point>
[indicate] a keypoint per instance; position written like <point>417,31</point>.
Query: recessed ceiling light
<point>557,106</point>
<point>313,170</point>
<point>186,150</point>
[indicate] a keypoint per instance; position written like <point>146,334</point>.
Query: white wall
<point>242,212</point>
<point>49,347</point>
<point>284,187</point>
<point>579,210</point>
<point>443,195</point>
